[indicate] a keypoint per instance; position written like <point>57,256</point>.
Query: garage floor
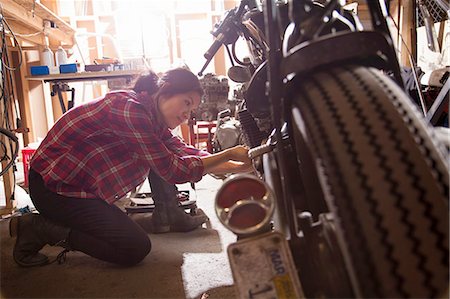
<point>181,265</point>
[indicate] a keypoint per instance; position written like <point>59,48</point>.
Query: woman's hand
<point>231,167</point>
<point>231,160</point>
<point>239,154</point>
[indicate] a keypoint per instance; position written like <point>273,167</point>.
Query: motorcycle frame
<point>304,223</point>
<point>284,70</point>
<point>299,63</point>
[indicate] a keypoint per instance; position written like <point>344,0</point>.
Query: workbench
<point>59,82</point>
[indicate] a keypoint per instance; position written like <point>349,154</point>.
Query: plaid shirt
<point>105,148</point>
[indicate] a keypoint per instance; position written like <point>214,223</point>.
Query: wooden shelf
<point>86,76</point>
<point>31,14</point>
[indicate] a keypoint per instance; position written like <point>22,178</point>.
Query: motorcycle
<point>350,192</point>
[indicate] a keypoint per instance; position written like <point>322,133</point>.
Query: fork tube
<point>379,15</point>
<point>273,88</point>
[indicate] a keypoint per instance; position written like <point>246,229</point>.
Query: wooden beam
<point>407,33</point>
<point>22,93</point>
<point>26,33</point>
<point>13,10</point>
<point>8,176</point>
<point>40,9</point>
<point>219,58</point>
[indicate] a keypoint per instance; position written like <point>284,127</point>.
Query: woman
<point>167,215</point>
<point>95,154</point>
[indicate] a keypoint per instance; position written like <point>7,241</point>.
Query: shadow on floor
<point>180,265</point>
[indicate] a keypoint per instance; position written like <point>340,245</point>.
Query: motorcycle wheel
<point>384,179</point>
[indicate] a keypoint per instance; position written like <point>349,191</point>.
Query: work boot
<point>180,221</point>
<point>168,216</point>
<point>175,219</point>
<point>33,232</point>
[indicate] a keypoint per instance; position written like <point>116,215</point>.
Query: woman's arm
<point>131,123</point>
<point>228,161</point>
<point>231,167</point>
<point>178,146</point>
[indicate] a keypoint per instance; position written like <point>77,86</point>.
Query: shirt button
<point>116,196</point>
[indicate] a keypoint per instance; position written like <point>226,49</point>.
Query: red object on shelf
<point>27,153</point>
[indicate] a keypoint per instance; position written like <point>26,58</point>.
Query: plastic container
<point>27,154</point>
<point>61,56</point>
<point>68,68</point>
<point>47,57</point>
<point>40,70</point>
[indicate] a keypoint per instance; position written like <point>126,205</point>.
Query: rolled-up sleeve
<point>144,136</point>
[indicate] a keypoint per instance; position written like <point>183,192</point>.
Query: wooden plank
<point>395,12</point>
<point>32,14</point>
<point>8,177</point>
<point>8,185</point>
<point>407,33</point>
<point>46,14</point>
<point>86,76</point>
<point>26,33</point>
<point>22,92</point>
<point>219,58</point>
<point>94,42</point>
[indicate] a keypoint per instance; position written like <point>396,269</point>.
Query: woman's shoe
<point>26,250</point>
<point>175,219</point>
<point>180,221</point>
<point>33,232</point>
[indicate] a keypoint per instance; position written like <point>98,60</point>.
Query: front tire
<point>383,177</point>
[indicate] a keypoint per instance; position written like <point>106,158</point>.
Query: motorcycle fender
<point>373,48</point>
<point>263,267</point>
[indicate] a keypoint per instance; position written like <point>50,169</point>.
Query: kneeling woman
<point>95,154</point>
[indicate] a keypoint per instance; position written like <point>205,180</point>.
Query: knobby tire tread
<point>370,237</point>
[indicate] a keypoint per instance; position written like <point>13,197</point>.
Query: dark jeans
<point>98,229</point>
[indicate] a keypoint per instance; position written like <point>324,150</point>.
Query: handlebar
<point>225,32</point>
<point>223,35</point>
<point>213,49</point>
<point>210,54</point>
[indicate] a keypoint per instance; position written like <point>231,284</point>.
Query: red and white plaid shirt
<point>105,148</point>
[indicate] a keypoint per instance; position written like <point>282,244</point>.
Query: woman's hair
<point>147,83</point>
<point>177,81</point>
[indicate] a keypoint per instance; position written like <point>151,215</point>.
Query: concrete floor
<point>180,265</point>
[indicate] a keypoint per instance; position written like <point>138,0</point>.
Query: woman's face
<point>177,108</point>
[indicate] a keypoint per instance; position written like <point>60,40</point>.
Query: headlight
<point>244,204</point>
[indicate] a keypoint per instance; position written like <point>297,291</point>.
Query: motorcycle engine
<point>228,132</point>
<point>215,97</point>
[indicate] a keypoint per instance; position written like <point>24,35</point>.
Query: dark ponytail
<point>147,83</point>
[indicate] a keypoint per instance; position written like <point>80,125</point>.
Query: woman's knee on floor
<point>136,250</point>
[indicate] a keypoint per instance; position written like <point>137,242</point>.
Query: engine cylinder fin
<point>252,134</point>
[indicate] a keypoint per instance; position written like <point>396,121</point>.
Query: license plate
<point>262,267</point>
